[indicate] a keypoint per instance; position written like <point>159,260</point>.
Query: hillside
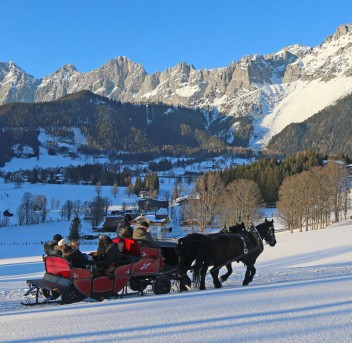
<point>97,125</point>
<point>327,132</point>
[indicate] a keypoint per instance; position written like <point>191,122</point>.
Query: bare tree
<point>241,202</point>
<point>97,209</point>
<point>25,209</point>
<point>98,188</point>
<point>114,189</point>
<point>310,197</point>
<point>338,186</point>
<point>287,204</point>
<point>52,203</point>
<point>41,203</point>
<point>203,205</point>
<point>76,208</point>
<point>67,210</point>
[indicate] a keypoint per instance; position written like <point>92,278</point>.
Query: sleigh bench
<point>57,277</point>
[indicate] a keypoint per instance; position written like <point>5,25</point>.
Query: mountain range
<point>258,96</point>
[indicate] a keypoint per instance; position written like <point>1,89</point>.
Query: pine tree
<point>75,229</point>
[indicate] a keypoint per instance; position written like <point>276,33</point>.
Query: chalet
<point>159,225</point>
<point>146,205</point>
<point>110,224</point>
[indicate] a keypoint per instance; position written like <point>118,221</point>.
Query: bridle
<point>270,235</point>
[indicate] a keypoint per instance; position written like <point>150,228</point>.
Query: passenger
<point>76,245</point>
<point>49,248</point>
<point>125,229</point>
<point>100,250</point>
<point>61,244</point>
<point>75,256</point>
<point>111,258</point>
<point>143,235</point>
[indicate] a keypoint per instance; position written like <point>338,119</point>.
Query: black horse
<point>236,229</point>
<point>223,249</point>
<point>188,247</point>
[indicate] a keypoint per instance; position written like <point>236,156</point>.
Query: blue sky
<point>42,35</point>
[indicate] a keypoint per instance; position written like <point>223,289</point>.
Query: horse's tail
<point>201,258</point>
<point>180,259</point>
<point>185,282</point>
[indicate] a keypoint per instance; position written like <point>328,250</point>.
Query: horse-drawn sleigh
<point>156,267</point>
<point>144,267</point>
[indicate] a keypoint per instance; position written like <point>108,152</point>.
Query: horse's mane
<point>267,224</point>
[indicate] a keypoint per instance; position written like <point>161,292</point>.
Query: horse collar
<point>253,230</point>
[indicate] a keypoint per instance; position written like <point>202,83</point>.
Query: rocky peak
<point>342,30</point>
<point>15,84</point>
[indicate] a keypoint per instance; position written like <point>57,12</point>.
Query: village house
<point>159,224</point>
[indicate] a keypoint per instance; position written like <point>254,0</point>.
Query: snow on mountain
<point>15,84</point>
<point>300,100</point>
<point>324,77</point>
<point>273,90</point>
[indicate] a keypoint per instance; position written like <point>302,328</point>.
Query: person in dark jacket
<point>143,236</point>
<point>125,230</point>
<point>51,248</point>
<point>110,259</point>
<point>97,255</point>
<point>76,257</point>
<point>75,244</point>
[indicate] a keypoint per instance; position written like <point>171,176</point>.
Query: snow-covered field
<point>301,293</point>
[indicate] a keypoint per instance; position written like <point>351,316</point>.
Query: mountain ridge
<point>271,91</point>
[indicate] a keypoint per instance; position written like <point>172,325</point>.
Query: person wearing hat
<point>61,245</point>
<point>50,247</point>
<point>109,260</point>
<point>100,249</point>
<point>75,257</point>
<point>142,234</point>
<point>125,230</point>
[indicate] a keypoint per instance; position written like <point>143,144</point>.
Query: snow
<point>313,97</point>
<point>186,90</point>
<point>301,293</point>
<point>297,101</point>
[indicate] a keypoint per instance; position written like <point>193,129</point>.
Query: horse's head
<point>237,229</point>
<point>267,232</point>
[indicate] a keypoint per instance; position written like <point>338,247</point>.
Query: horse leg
<point>203,273</point>
<point>253,271</point>
<point>224,277</point>
<point>185,281</point>
<point>215,274</point>
<point>247,278</point>
<point>250,272</point>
